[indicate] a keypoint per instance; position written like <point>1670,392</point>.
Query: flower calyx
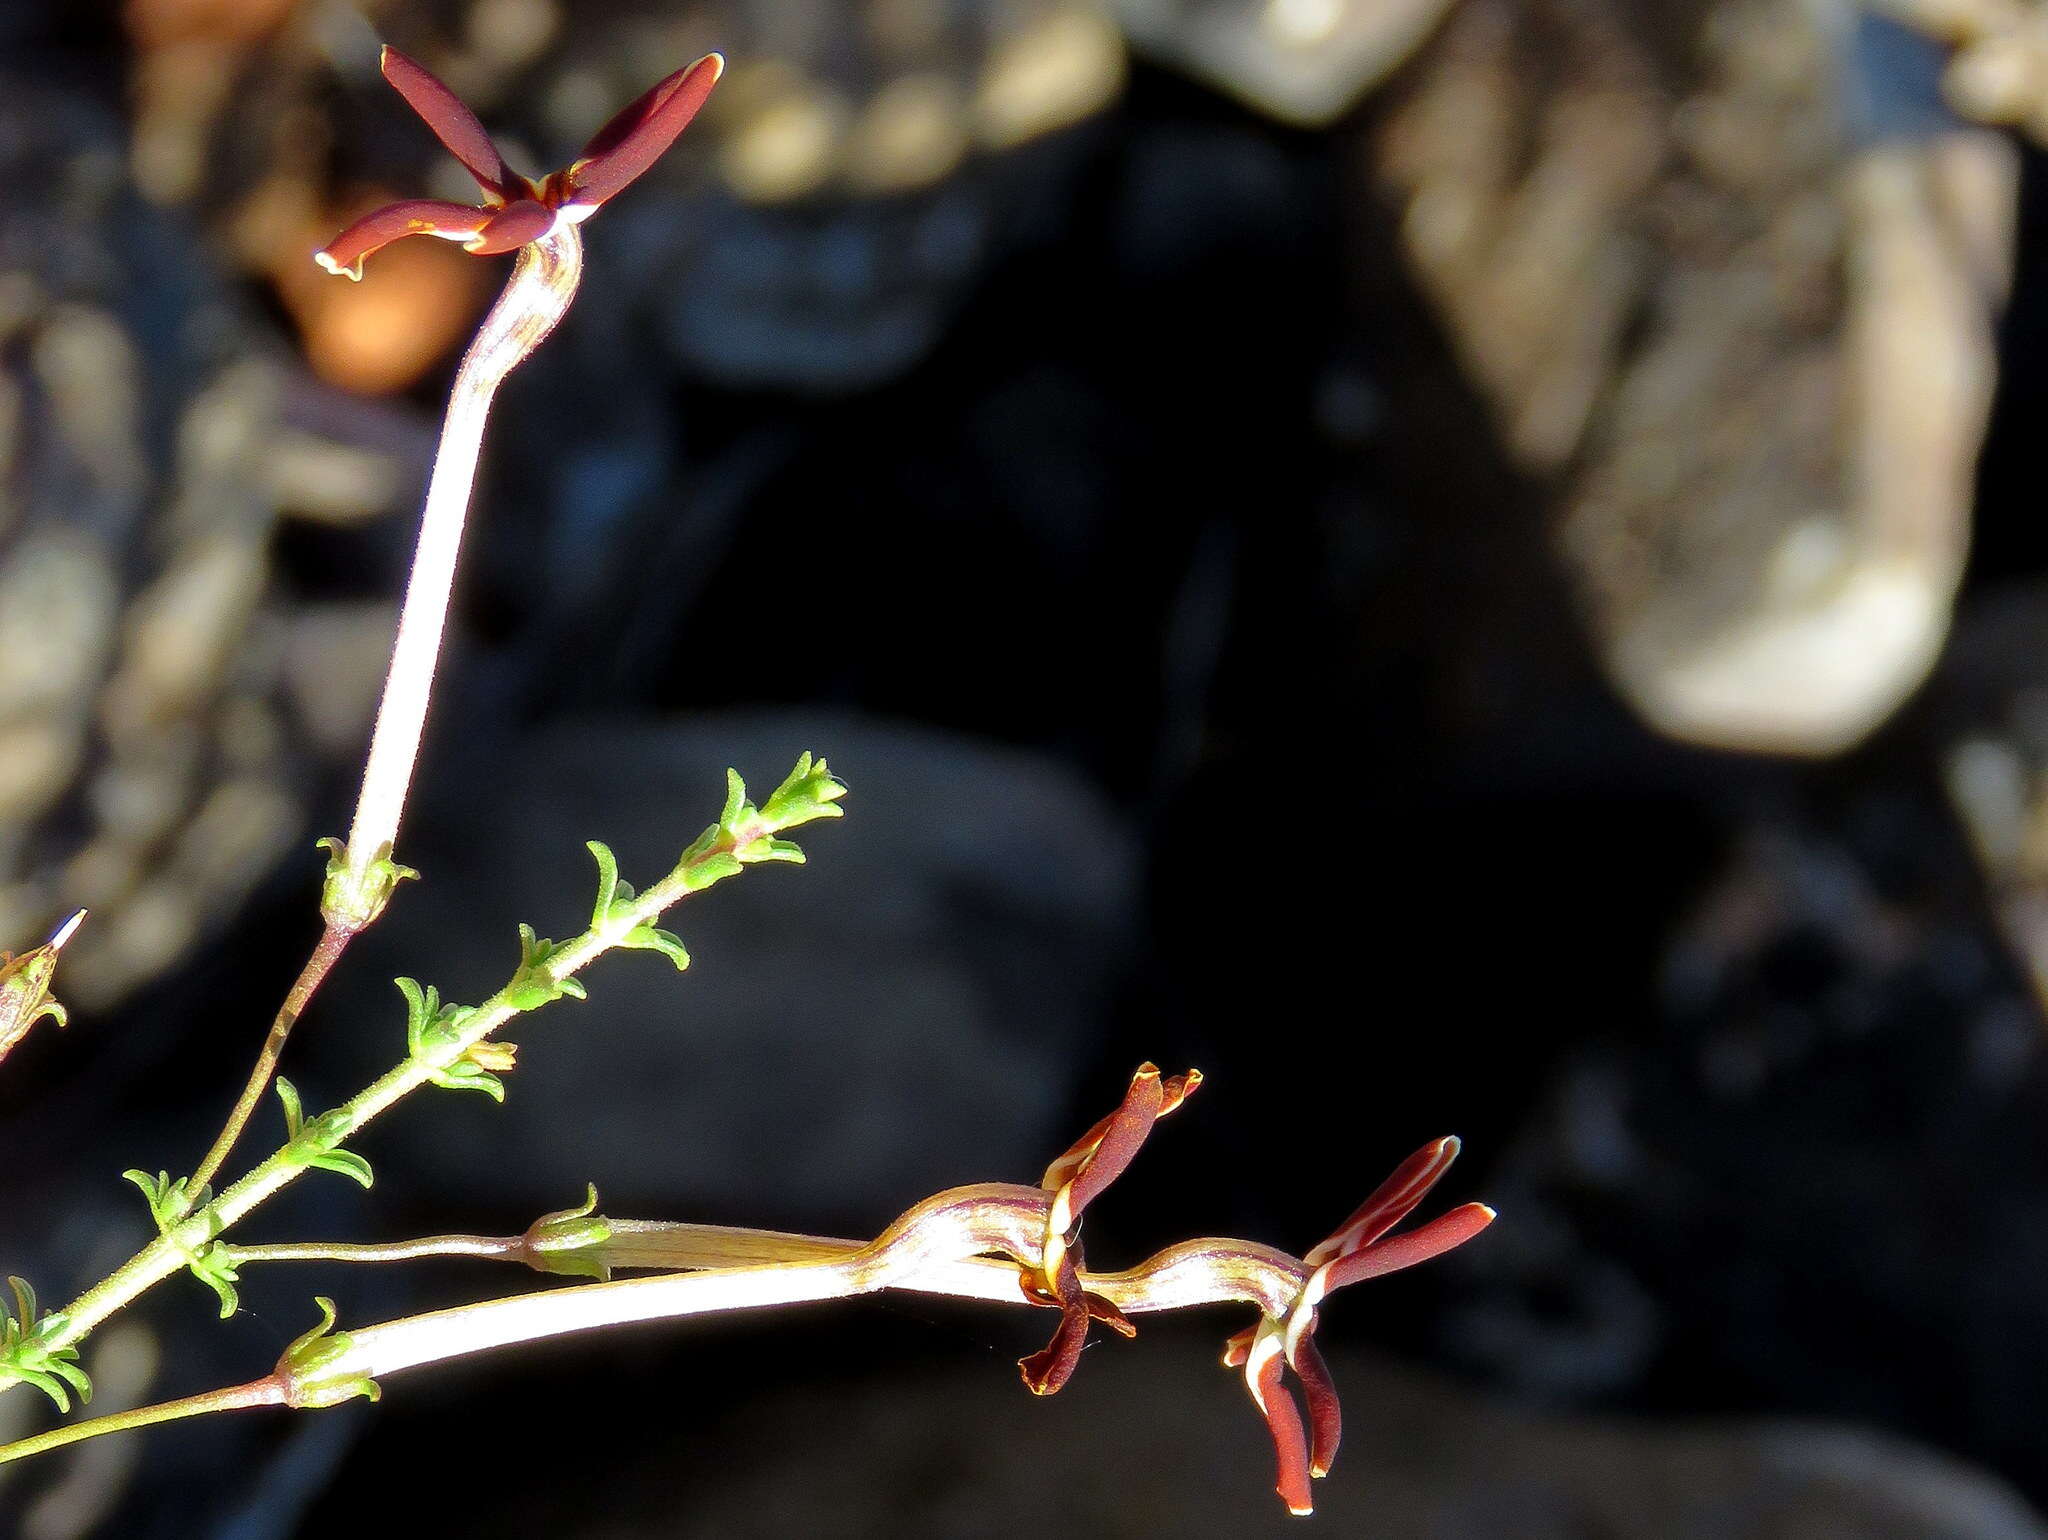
<point>306,1368</point>
<point>569,1241</point>
<point>515,210</point>
<point>353,897</point>
<point>25,986</point>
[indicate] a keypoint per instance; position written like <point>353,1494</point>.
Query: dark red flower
<point>515,210</point>
<point>1361,1248</point>
<point>1075,1180</point>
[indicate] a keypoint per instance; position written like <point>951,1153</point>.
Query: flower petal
<point>1283,1420</point>
<point>635,139</point>
<point>1440,1235</point>
<point>343,256</point>
<point>1325,1416</point>
<point>1053,1365</point>
<point>1390,1203</point>
<point>513,226</point>
<point>1102,1154</point>
<point>1116,1140</point>
<point>453,123</point>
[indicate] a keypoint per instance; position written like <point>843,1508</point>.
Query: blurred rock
<point>1727,274</point>
<point>148,776</point>
<point>1998,71</point>
<point>1817,1182</point>
<point>905,1013</point>
<point>1991,721</point>
<point>1305,62</point>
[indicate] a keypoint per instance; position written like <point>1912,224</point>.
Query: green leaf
<point>26,1352</point>
<point>215,1268</point>
<point>175,1206</point>
<point>809,792</point>
<point>646,938</point>
<point>613,895</point>
<point>294,1109</point>
<point>467,1075</point>
<point>344,1163</point>
<point>735,800</point>
<point>535,984</point>
<point>170,1199</point>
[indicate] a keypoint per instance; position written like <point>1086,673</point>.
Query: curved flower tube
<point>1284,1339</point>
<point>1075,1180</point>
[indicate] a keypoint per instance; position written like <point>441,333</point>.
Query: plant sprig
<point>191,1221</point>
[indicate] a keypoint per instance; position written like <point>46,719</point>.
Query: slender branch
<point>268,1391</point>
<point>745,836</point>
<point>508,1248</point>
<point>940,1246</point>
<point>334,939</point>
<point>639,1244</point>
<point>896,1260</point>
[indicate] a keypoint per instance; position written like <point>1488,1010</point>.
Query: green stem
<point>268,1391</point>
<point>707,862</point>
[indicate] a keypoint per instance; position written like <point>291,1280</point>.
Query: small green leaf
<point>344,1163</point>
<point>735,800</point>
<point>27,1354</point>
<point>535,984</point>
<point>467,1075</point>
<point>612,894</point>
<point>646,938</point>
<point>767,848</point>
<point>25,1311</point>
<point>809,792</point>
<point>215,1268</point>
<point>702,872</point>
<point>294,1109</point>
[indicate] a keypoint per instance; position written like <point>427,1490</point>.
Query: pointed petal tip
<point>352,274</point>
<point>449,118</point>
<point>638,134</point>
<point>64,932</point>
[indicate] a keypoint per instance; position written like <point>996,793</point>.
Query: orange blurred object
<point>160,23</point>
<point>381,335</point>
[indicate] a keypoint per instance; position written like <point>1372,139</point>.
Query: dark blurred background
<point>1463,565</point>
